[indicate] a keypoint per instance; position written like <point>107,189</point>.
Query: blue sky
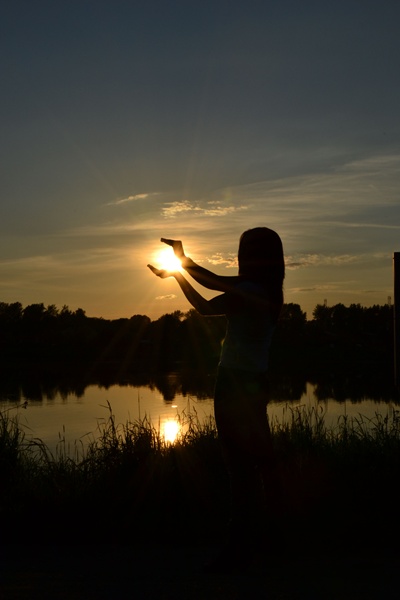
<point>126,121</point>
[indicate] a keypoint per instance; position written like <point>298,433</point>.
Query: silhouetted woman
<point>251,301</point>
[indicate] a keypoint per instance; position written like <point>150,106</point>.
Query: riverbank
<point>133,488</point>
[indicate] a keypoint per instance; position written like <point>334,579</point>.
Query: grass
<point>129,484</point>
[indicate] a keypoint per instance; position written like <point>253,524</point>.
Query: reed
<point>130,483</point>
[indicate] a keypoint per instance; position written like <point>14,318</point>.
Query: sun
<point>166,259</point>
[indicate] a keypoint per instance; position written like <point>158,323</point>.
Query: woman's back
<point>250,328</point>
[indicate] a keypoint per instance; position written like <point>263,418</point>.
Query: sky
<point>126,121</point>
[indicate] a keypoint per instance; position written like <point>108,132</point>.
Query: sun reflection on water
<point>170,430</point>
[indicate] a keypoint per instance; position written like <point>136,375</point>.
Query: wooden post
<point>396,317</point>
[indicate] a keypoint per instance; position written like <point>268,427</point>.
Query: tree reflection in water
<point>18,385</point>
<point>172,401</point>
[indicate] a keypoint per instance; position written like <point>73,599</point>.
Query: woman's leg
<point>240,412</point>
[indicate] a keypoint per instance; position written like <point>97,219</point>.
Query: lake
<point>68,416</point>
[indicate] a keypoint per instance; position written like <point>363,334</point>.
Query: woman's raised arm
<point>208,279</point>
<point>201,304</point>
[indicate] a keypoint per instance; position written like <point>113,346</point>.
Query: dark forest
<point>337,338</point>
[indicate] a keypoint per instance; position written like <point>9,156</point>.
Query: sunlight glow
<point>171,430</point>
<point>166,259</point>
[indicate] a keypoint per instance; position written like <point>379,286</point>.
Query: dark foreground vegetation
<point>131,487</point>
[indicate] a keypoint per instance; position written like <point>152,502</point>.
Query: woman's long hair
<point>261,259</point>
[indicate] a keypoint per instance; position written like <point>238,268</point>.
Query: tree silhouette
<point>46,336</point>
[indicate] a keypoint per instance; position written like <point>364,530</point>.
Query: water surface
<point>71,418</point>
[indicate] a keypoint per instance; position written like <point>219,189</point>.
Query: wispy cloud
<point>173,209</point>
<point>362,225</point>
<point>355,184</point>
<point>217,210</point>
<point>166,297</point>
<point>131,199</point>
<point>59,265</point>
<point>375,164</point>
<point>317,260</point>
<point>316,288</point>
<point>228,261</point>
<point>213,209</point>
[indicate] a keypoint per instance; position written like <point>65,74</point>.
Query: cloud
<point>130,199</point>
<point>374,164</point>
<point>362,225</point>
<point>63,264</point>
<point>221,211</point>
<point>173,209</point>
<point>316,288</point>
<point>166,297</point>
<point>318,260</point>
<point>218,259</point>
<point>352,186</point>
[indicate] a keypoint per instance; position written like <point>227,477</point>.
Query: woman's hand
<point>177,247</point>
<point>162,273</point>
<point>196,300</point>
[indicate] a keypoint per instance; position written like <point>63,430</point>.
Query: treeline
<point>45,335</point>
